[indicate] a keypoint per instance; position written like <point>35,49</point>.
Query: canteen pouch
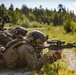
<point>10,56</point>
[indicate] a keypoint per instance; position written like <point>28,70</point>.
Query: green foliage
<point>27,24</point>
<point>67,26</point>
<point>70,26</point>
<point>73,26</point>
<point>56,69</point>
<point>38,14</point>
<point>11,7</point>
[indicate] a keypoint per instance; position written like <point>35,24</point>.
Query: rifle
<point>57,45</point>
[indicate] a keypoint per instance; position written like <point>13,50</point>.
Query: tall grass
<point>56,69</point>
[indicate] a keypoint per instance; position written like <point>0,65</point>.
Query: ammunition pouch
<point>11,55</point>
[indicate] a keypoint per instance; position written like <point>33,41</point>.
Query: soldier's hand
<point>50,53</point>
<point>55,54</point>
<point>19,36</point>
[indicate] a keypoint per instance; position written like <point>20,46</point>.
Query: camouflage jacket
<point>24,55</point>
<point>31,58</point>
<point>4,38</point>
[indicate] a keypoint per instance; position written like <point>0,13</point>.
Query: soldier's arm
<point>32,60</point>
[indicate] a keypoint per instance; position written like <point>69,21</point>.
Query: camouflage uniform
<point>34,58</point>
<point>33,62</point>
<point>4,38</point>
<point>17,32</point>
<point>23,54</point>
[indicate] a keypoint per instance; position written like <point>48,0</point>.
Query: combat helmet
<point>18,30</point>
<point>36,36</point>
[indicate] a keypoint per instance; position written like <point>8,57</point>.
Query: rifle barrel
<point>68,46</point>
<point>55,47</point>
<point>43,47</point>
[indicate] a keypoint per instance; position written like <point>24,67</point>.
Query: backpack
<point>12,56</point>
